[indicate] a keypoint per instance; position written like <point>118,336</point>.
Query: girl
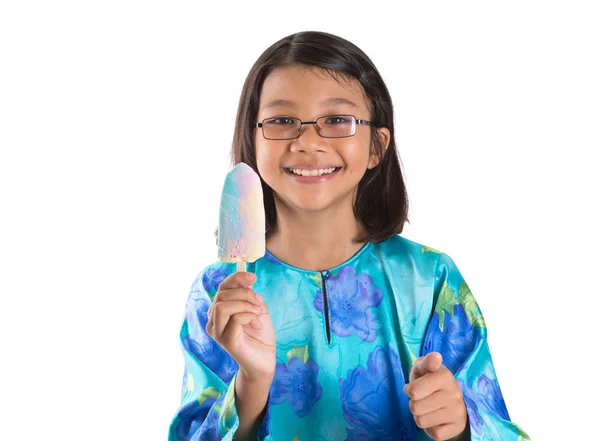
<point>344,330</point>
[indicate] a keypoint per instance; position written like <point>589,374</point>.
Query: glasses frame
<point>319,128</point>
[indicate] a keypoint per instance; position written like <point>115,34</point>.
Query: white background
<point>116,119</point>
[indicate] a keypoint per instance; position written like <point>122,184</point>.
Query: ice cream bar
<point>241,217</point>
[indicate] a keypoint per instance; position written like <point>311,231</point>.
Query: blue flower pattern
<point>484,395</point>
<point>205,348</point>
<point>456,341</point>
<point>374,402</point>
<point>213,277</point>
<point>350,297</point>
<point>198,418</point>
<point>297,383</point>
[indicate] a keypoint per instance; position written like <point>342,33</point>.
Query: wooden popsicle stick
<point>241,266</point>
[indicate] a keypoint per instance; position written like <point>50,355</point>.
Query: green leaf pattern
<point>300,352</point>
<point>448,299</point>
<point>209,392</point>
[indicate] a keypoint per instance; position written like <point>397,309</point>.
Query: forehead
<point>302,86</point>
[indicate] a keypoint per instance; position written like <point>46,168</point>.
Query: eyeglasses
<point>330,126</point>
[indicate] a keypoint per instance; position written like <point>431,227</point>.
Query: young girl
<point>344,330</point>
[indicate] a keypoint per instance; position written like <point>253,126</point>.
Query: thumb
<point>424,365</point>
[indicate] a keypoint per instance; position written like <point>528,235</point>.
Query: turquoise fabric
<point>342,364</point>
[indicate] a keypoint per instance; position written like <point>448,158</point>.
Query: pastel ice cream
<point>241,217</point>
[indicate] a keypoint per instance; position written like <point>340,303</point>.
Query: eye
<point>336,119</point>
<point>281,120</point>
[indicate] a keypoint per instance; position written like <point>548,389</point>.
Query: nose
<point>309,140</point>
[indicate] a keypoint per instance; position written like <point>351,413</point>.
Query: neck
<point>315,240</point>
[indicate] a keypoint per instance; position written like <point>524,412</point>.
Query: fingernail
<point>250,277</point>
<point>259,298</point>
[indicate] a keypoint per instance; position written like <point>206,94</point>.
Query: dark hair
<point>381,203</point>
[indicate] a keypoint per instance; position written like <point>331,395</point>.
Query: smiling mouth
<point>312,173</point>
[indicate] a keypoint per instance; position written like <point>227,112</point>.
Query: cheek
<point>356,156</point>
<point>266,160</point>
<point>261,152</point>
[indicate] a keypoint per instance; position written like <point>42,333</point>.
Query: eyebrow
<point>329,102</point>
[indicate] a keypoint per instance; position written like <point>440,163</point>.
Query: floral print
<point>456,340</point>
<point>204,348</point>
<point>212,278</point>
<point>484,394</point>
<point>198,418</point>
<point>391,302</point>
<point>368,397</point>
<point>350,298</point>
<point>297,383</point>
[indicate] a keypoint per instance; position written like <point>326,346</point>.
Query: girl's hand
<point>239,321</point>
<point>436,399</point>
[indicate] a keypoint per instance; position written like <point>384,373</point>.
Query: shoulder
<point>425,259</point>
<point>400,247</point>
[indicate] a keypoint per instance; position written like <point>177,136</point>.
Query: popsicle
<point>242,224</point>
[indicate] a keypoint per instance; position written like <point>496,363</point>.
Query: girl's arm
<point>251,400</point>
<point>217,401</point>
<point>457,330</point>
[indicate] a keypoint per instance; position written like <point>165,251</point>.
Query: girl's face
<point>304,92</point>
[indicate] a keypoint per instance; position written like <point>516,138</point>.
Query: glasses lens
<point>281,128</point>
<point>337,126</point>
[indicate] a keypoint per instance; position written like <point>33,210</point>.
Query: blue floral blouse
<point>346,340</point>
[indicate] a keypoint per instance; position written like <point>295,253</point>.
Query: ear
<point>384,138</point>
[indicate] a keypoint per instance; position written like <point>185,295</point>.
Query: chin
<point>316,202</point>
<point>313,205</point>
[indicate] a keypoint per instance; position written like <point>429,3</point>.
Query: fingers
<point>237,280</point>
<point>223,312</point>
<point>443,424</point>
<point>445,432</point>
<point>436,401</point>
<point>235,304</point>
<point>231,332</point>
<point>425,386</point>
<point>239,294</point>
<point>445,415</point>
<point>424,365</point>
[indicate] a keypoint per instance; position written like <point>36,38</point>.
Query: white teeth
<point>320,172</point>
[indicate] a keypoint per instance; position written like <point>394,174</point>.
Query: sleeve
<point>207,410</point>
<point>457,330</point>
